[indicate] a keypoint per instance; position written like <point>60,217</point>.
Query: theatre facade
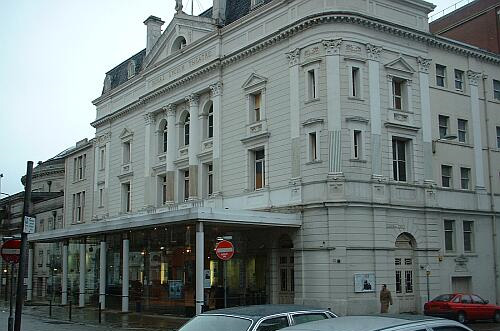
<point>337,144</point>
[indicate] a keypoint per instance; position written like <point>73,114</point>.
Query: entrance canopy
<point>148,219</point>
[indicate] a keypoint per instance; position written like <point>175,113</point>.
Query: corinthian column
<point>474,78</point>
<point>373,53</point>
<point>171,151</point>
<point>194,144</point>
<point>294,58</point>
<point>216,94</point>
<point>425,105</point>
<point>148,122</point>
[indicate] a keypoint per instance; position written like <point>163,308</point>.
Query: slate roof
<point>235,9</point>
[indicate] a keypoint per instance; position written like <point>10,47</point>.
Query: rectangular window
<point>444,124</point>
<point>459,80</point>
<point>126,152</point>
<point>78,206</point>
<point>210,179</point>
<point>163,190</point>
<point>399,168</point>
<point>101,197</point>
<point>462,130</point>
<point>408,281</point>
<point>313,152</point>
<point>465,178</point>
<point>440,75</point>
<point>446,178</point>
<point>80,167</point>
<point>449,235</point>
<point>259,169</point>
<point>498,136</point>
<point>357,144</point>
<point>256,104</point>
<point>496,89</point>
<point>126,198</point>
<point>102,158</point>
<point>355,82</point>
<point>468,236</point>
<point>186,185</point>
<point>398,282</point>
<point>210,132</point>
<point>40,258</point>
<point>398,93</point>
<point>311,78</point>
<point>49,257</point>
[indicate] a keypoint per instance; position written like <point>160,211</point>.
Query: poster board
<point>364,282</point>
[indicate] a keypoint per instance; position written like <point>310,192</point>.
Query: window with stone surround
<point>185,129</point>
<point>463,135</point>
<point>185,187</point>
<point>444,125</point>
<point>78,206</point>
<point>496,89</point>
<point>459,80</point>
<point>465,178</point>
<point>311,72</point>
<point>468,228</point>
<point>400,159</point>
<point>80,167</point>
<point>258,166</point>
<point>498,136</point>
<point>126,152</point>
<point>126,198</point>
<point>399,93</point>
<point>440,75</point>
<point>357,145</point>
<point>102,158</point>
<point>354,78</point>
<point>162,189</point>
<point>162,136</point>
<point>255,104</point>
<point>449,235</point>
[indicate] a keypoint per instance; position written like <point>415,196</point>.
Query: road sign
<point>11,251</point>
<point>224,250</point>
<point>29,224</point>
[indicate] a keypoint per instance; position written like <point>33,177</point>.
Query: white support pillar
<point>334,114</point>
<point>200,266</point>
<point>474,78</point>
<point>64,281</point>
<point>194,144</point>
<point>29,296</point>
<point>293,61</point>
<point>83,267</point>
<point>373,53</point>
<point>216,95</point>
<point>171,151</point>
<point>125,275</point>
<point>102,275</point>
<point>425,105</point>
<point>148,121</point>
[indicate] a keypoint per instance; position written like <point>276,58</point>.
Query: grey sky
<point>54,54</point>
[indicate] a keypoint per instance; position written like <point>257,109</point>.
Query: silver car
<point>381,323</point>
<point>256,318</point>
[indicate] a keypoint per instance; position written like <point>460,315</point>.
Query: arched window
<point>179,44</point>
<point>186,130</point>
<point>210,122</point>
<point>131,69</point>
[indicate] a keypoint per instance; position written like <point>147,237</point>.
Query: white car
<point>381,323</point>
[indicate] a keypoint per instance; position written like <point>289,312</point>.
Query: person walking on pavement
<point>385,299</point>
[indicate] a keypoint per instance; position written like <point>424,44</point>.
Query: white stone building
<point>334,141</point>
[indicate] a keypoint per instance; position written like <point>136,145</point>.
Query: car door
<point>467,307</point>
<point>273,323</point>
<point>482,310</point>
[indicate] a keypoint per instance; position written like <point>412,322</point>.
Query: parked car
<point>381,323</point>
<point>255,318</point>
<point>462,307</point>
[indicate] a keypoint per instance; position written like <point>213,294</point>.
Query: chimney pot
<point>219,12</point>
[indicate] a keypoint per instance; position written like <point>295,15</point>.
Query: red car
<point>462,307</point>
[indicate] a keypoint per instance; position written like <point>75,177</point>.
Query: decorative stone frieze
<point>104,138</point>
<point>170,109</point>
<point>332,47</point>
<point>373,52</point>
<point>216,89</point>
<point>473,77</point>
<point>149,118</point>
<point>423,64</point>
<point>293,57</point>
<point>193,99</point>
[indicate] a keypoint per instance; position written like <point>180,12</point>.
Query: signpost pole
<point>11,318</point>
<point>225,283</point>
<point>24,244</point>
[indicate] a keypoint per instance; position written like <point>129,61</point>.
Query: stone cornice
<point>297,27</point>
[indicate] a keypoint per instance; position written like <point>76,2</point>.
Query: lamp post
<point>445,137</point>
<point>427,274</point>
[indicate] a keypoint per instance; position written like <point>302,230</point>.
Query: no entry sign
<point>224,250</point>
<point>11,251</point>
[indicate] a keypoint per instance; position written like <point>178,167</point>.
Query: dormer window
<point>256,3</point>
<point>107,83</point>
<point>131,69</point>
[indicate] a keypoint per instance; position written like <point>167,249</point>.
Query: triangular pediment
<point>255,80</point>
<point>126,133</point>
<point>400,64</point>
<point>191,28</point>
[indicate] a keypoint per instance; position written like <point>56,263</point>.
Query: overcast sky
<point>53,57</point>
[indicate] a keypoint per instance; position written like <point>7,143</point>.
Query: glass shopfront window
<point>114,271</point>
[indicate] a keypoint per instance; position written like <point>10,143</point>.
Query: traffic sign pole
<point>224,251</point>
<point>24,245</point>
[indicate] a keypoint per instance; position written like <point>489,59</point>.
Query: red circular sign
<point>224,250</point>
<point>11,251</point>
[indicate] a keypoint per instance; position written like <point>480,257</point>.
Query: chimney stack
<point>153,24</point>
<point>219,12</point>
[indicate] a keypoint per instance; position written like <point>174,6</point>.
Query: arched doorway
<point>286,270</point>
<point>404,265</point>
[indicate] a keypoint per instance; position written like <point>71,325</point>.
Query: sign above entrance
<point>224,250</point>
<point>11,251</point>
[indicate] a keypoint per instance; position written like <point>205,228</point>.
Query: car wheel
<point>497,316</point>
<point>461,317</point>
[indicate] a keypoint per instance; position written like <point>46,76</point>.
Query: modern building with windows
<point>334,142</point>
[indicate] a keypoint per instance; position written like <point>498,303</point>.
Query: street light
<point>428,273</point>
<point>445,137</point>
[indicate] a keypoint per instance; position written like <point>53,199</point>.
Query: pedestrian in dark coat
<point>385,299</point>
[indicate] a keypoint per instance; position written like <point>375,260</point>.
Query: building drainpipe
<point>492,195</point>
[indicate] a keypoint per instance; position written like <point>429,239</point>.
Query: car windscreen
<point>216,323</point>
<point>444,297</point>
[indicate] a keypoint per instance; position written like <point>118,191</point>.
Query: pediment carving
<point>126,134</point>
<point>401,65</point>
<point>254,81</point>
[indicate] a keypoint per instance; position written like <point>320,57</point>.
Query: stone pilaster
<point>373,54</point>
<point>425,106</point>
<point>194,144</point>
<point>171,151</point>
<point>293,60</point>
<point>216,95</point>
<point>149,121</point>
<point>473,79</point>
